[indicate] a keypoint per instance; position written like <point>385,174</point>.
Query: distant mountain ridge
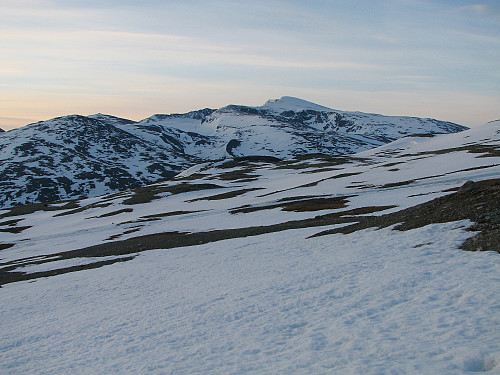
<point>84,156</point>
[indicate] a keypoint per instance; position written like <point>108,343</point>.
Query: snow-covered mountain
<point>317,264</point>
<point>84,156</point>
<point>289,127</point>
<point>77,156</point>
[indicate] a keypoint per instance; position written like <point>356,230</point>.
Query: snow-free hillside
<point>76,156</point>
<point>317,265</point>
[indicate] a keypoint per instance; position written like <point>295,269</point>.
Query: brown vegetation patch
<point>84,208</point>
<point>166,214</point>
<point>229,194</point>
<point>155,217</point>
<point>241,175</point>
<point>389,164</point>
<point>340,175</point>
<point>14,230</point>
<point>114,196</point>
<point>191,177</point>
<point>316,204</point>
<point>246,161</point>
<point>397,184</point>
<point>149,193</point>
<point>486,150</point>
<point>294,165</point>
<point>116,236</point>
<point>13,276</point>
<point>4,246</point>
<point>10,222</point>
<point>124,210</point>
<point>364,210</point>
<point>31,208</point>
<point>317,161</point>
<point>311,184</point>
<point>302,205</point>
<point>319,170</point>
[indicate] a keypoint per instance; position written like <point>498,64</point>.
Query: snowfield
<point>220,271</point>
<point>374,302</point>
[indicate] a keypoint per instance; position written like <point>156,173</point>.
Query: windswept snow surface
<point>375,301</point>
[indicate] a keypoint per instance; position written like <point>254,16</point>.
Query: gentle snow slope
<point>365,303</point>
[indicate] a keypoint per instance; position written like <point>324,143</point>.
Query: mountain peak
<point>111,119</point>
<point>287,103</point>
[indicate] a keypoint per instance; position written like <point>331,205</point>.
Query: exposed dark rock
<point>477,201</point>
<point>233,143</point>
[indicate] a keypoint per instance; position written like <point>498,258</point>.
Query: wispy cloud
<point>475,8</point>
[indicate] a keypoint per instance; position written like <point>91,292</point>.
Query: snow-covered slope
<point>317,265</point>
<point>76,156</point>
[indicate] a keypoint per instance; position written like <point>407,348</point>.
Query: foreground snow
<point>373,302</point>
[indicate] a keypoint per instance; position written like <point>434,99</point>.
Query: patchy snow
<point>381,179</point>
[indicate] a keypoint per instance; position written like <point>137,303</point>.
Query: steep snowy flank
<point>320,264</point>
<point>76,156</point>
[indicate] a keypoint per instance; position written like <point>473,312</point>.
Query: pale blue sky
<point>135,58</point>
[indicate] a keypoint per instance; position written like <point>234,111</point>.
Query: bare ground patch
<point>31,208</point>
<point>477,201</point>
<point>298,205</point>
<point>159,216</point>
<point>149,193</point>
<point>229,194</point>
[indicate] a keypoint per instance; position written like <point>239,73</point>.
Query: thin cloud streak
<point>108,46</point>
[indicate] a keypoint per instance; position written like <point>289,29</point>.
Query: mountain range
<point>383,261</point>
<point>78,156</point>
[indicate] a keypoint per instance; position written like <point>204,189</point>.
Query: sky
<point>426,58</point>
